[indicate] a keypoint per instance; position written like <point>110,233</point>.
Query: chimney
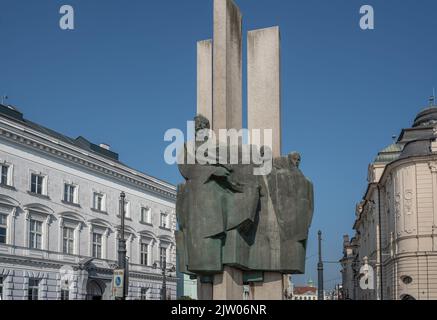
<point>105,146</point>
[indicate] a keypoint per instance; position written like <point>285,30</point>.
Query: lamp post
<point>164,277</point>
<point>320,269</point>
<point>122,246</point>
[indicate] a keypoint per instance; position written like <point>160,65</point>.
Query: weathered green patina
<point>229,216</point>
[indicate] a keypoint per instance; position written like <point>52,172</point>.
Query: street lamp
<point>122,246</point>
<point>164,276</point>
<point>320,270</point>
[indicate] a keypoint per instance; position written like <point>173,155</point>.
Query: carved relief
<point>408,211</point>
<point>397,203</point>
<point>433,167</point>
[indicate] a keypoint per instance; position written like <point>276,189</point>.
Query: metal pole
<point>380,246</point>
<point>320,269</point>
<point>122,245</point>
<point>164,281</point>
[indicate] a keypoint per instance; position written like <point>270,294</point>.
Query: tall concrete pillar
<point>204,79</point>
<point>227,66</point>
<point>264,84</point>
<point>228,285</point>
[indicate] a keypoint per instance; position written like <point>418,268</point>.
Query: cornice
<point>30,261</point>
<point>79,157</point>
<point>400,162</point>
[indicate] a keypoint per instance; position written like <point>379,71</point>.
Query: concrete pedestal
<point>204,290</point>
<point>272,288</point>
<point>228,285</point>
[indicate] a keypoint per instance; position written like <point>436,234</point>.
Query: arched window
<point>407,297</point>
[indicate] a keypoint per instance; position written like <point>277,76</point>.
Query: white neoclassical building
<point>396,223</point>
<point>60,217</point>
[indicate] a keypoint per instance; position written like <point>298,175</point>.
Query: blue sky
<point>127,73</point>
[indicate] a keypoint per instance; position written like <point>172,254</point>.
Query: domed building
<point>396,222</point>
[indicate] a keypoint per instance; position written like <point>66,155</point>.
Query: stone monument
<point>238,228</point>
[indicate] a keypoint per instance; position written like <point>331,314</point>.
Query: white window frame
<point>33,287</point>
<point>161,248</point>
<point>164,220</point>
<point>9,176</point>
<point>95,245</point>
<point>101,195</point>
<point>127,214</point>
<point>69,239</point>
<point>148,252</point>
<point>33,234</point>
<point>75,195</point>
<point>146,215</point>
<point>43,184</point>
<point>5,226</point>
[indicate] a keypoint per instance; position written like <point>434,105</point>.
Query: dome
<point>389,154</point>
<point>427,117</point>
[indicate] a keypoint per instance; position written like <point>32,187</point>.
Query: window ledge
<point>164,228</point>
<point>125,218</point>
<point>71,204</point>
<point>146,223</point>
<point>98,211</point>
<point>6,186</point>
<point>42,196</point>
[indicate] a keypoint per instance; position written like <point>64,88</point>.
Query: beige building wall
<point>408,209</point>
<point>410,244</point>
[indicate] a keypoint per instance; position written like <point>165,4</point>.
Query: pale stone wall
<point>227,66</point>
<point>264,85</point>
<point>204,79</point>
<point>18,263</point>
<point>408,222</point>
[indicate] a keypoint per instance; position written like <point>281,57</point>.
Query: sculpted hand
<point>222,172</point>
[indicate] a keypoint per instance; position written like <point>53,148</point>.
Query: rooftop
<point>14,114</point>
<point>304,290</point>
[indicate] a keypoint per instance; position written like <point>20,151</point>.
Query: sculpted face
<point>201,123</point>
<point>295,159</point>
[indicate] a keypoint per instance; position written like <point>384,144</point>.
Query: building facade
<point>60,218</point>
<point>308,292</point>
<point>395,243</point>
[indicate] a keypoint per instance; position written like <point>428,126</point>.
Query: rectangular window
<point>35,234</point>
<point>97,245</point>
<point>144,254</point>
<point>3,228</point>
<point>144,293</point>
<point>146,215</point>
<point>70,193</point>
<point>162,255</point>
<point>68,240</point>
<point>126,210</point>
<point>164,222</point>
<point>65,295</point>
<point>33,288</point>
<point>99,202</point>
<point>36,184</point>
<point>1,288</point>
<point>4,177</point>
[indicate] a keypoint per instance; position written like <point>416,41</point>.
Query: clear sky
<point>127,73</point>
